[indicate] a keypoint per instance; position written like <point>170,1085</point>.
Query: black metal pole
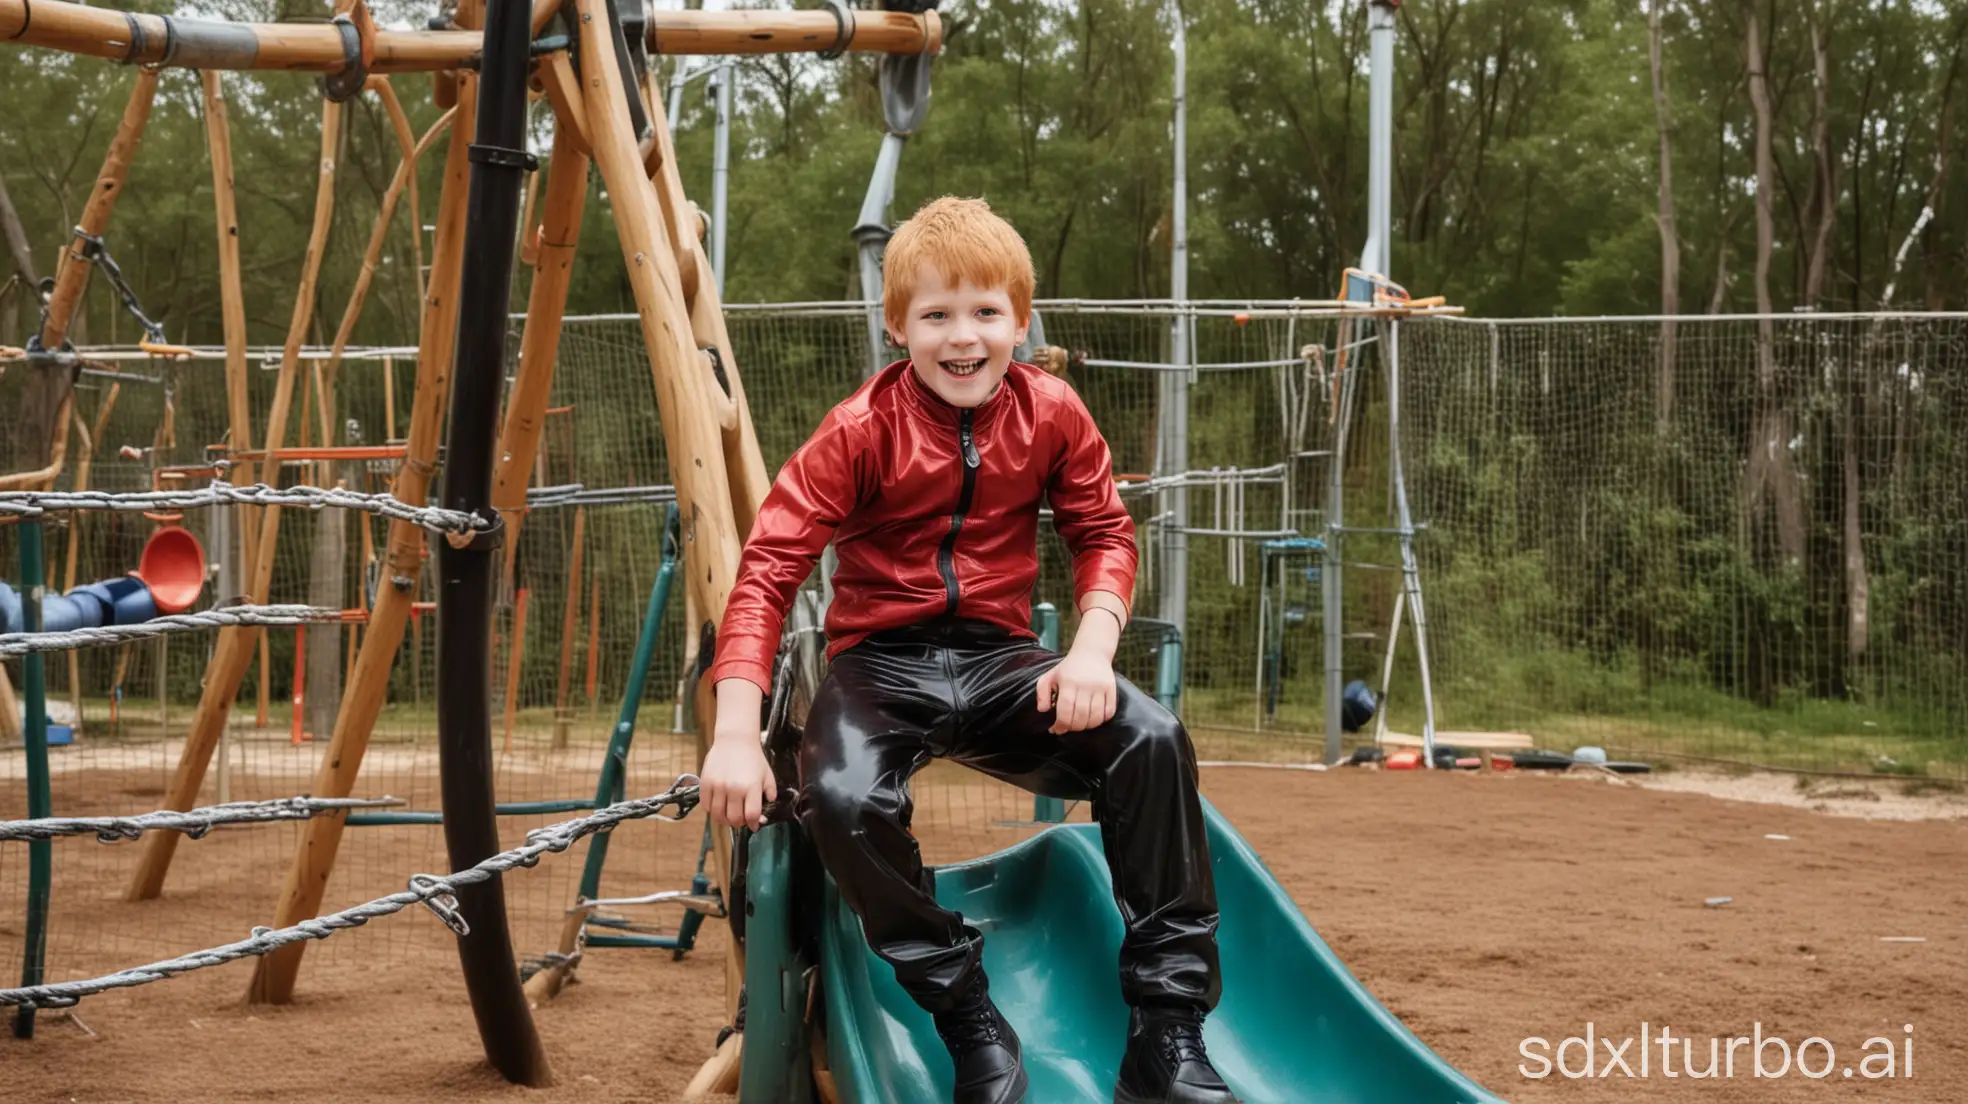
<point>466,574</point>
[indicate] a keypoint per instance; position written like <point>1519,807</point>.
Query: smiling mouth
<point>963,368</point>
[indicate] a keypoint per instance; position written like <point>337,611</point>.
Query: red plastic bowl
<point>173,567</point>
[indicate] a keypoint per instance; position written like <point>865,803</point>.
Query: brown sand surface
<point>1480,910</point>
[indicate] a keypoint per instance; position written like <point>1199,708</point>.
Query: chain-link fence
<point>1732,538</point>
<point>1757,557</point>
<point>1754,554</point>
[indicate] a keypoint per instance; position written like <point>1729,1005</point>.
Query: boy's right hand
<point>736,782</point>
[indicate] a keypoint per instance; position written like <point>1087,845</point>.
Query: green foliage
<point>1605,569</point>
<point>1525,180</point>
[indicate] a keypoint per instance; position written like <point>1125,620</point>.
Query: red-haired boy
<point>928,481</point>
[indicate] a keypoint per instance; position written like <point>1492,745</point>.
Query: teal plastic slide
<point>1293,1025</point>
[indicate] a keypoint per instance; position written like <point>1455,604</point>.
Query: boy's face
<point>960,337</point>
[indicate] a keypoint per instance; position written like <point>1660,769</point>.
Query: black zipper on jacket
<point>946,557</point>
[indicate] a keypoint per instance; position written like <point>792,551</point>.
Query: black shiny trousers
<point>967,691</point>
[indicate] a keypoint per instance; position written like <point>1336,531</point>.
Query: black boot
<point>984,1049</point>
<point>1165,1062</point>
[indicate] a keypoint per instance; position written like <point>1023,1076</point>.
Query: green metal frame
<point>776,1066</point>
<point>611,785</point>
<point>1168,671</point>
<point>1045,622</point>
<point>40,798</point>
<point>1168,687</point>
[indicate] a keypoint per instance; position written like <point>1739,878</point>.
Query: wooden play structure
<point>590,61</point>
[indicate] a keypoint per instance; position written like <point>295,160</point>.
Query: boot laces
<point>1182,1041</point>
<point>970,1028</point>
<point>974,1024</point>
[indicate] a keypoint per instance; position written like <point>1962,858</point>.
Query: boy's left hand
<point>1079,691</point>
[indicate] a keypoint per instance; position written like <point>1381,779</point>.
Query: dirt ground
<point>1482,910</point>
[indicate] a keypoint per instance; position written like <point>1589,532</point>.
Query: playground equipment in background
<point>606,123</point>
<point>544,975</point>
<point>1278,609</point>
<point>169,577</point>
<point>1149,636</point>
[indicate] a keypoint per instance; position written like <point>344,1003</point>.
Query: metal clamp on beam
<point>358,46</point>
<point>503,157</point>
<point>64,357</point>
<point>139,41</point>
<point>844,30</point>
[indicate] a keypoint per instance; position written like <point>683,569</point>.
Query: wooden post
<point>314,858</point>
<point>389,392</point>
<point>743,460</point>
<point>232,295</point>
<point>232,301</point>
<point>234,650</point>
<point>539,342</point>
<point>570,627</point>
<point>233,313</point>
<point>299,733</point>
<point>10,710</point>
<point>696,451</point>
<point>529,243</point>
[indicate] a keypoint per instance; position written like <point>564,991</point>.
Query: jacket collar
<point>930,405</point>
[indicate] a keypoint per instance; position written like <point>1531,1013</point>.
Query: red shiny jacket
<point>933,511</point>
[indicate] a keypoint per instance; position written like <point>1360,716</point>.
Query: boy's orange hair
<point>966,241</point>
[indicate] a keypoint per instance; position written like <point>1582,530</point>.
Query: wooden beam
<point>232,294</point>
<point>556,78</point>
<point>761,31</point>
<point>234,649</point>
<point>742,457</point>
<point>539,343</point>
<point>10,710</point>
<point>682,386</point>
<point>217,44</point>
<point>232,300</point>
<point>696,453</point>
<point>321,837</point>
